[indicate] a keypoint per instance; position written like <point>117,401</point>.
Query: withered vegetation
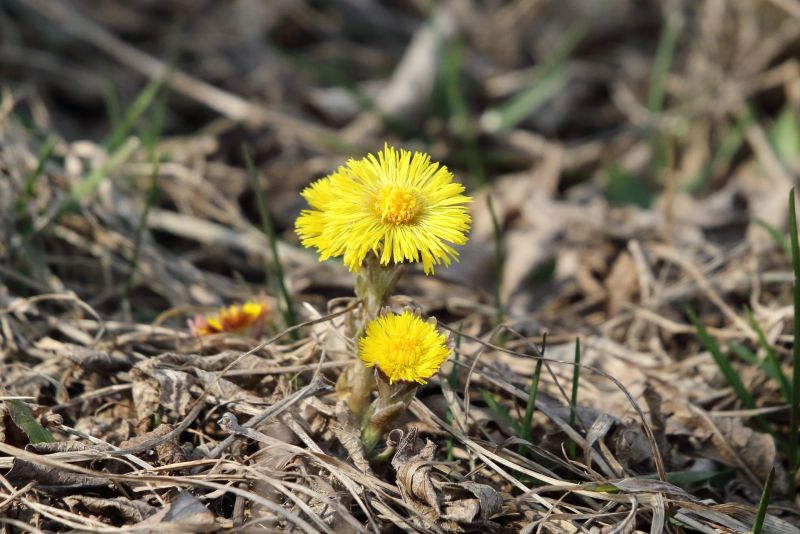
<point>638,157</point>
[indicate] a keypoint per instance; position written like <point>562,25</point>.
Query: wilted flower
<point>403,347</point>
<point>399,206</point>
<point>236,318</point>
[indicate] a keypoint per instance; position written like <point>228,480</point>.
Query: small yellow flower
<point>404,347</point>
<point>399,206</point>
<point>234,318</point>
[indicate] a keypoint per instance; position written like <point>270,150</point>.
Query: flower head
<point>404,347</point>
<point>399,206</point>
<point>234,318</point>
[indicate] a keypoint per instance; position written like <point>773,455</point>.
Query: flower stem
<point>374,285</point>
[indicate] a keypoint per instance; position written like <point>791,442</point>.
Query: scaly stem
<point>392,402</point>
<point>374,285</point>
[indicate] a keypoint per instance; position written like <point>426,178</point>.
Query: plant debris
<point>629,165</point>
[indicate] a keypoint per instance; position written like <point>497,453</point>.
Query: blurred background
<point>591,125</point>
<point>629,161</point>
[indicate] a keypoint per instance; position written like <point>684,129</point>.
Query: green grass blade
<point>747,355</point>
<point>721,360</point>
<point>152,195</point>
<point>771,365</point>
<point>497,265</point>
<point>84,188</point>
<point>728,371</point>
<point>501,412</point>
<point>661,65</point>
<point>149,137</point>
<point>29,186</point>
<point>22,416</point>
<point>133,113</point>
<point>794,417</point>
<point>625,188</point>
<point>113,106</point>
<point>269,230</point>
<point>93,179</point>
<point>573,408</point>
<point>732,140</point>
<point>531,405</point>
<point>776,235</point>
<point>458,110</point>
<point>764,502</point>
<point>550,79</point>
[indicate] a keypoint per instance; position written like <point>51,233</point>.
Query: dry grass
<point>637,156</point>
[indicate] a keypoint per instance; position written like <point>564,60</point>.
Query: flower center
<point>405,353</point>
<point>396,205</point>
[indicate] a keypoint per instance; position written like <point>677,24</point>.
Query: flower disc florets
<point>399,206</point>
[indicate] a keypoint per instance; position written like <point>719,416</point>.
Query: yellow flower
<point>234,318</point>
<point>404,347</point>
<point>399,206</point>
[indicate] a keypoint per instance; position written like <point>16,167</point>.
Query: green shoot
<point>573,408</point>
<point>794,416</point>
<point>497,267</point>
<point>764,502</point>
<point>132,115</point>
<point>749,356</point>
<point>501,412</point>
<point>721,360</point>
<point>269,230</point>
<point>150,200</point>
<point>90,183</point>
<point>727,369</point>
<point>42,157</point>
<point>531,405</point>
<point>661,65</point>
<point>658,89</point>
<point>771,363</point>
<point>113,106</point>
<point>776,235</point>
<point>149,138</point>
<point>458,110</point>
<point>625,188</point>
<point>731,142</point>
<point>551,77</point>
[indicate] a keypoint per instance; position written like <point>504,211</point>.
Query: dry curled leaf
<point>53,479</point>
<point>186,514</point>
<point>128,509</point>
<point>167,452</point>
<point>451,506</point>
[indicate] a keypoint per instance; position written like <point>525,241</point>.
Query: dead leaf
<point>230,393</point>
<point>130,510</point>
<point>755,449</point>
<point>53,479</point>
<point>145,401</point>
<point>186,514</point>
<point>89,360</point>
<point>167,452</point>
<point>470,502</point>
<point>451,506</point>
<point>621,282</point>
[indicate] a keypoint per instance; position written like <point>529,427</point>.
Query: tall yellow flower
<point>399,206</point>
<point>404,347</point>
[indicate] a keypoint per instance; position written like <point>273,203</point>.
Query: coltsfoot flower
<point>399,206</point>
<point>404,347</point>
<point>235,318</point>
